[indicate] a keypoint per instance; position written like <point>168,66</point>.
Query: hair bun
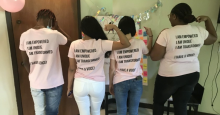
<point>189,19</point>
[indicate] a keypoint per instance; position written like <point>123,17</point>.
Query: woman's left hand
<point>149,32</point>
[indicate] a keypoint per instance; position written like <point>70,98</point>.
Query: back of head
<point>184,13</point>
<point>46,14</point>
<point>127,25</point>
<point>91,27</point>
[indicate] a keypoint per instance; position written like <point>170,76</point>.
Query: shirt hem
<point>48,87</point>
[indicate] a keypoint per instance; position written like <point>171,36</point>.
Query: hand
<point>56,26</point>
<point>149,32</point>
<point>68,91</point>
<point>111,90</point>
<point>202,18</point>
<point>109,27</point>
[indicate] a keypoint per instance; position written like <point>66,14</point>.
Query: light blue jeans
<point>130,90</point>
<point>47,101</point>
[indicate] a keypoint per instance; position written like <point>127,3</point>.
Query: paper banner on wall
<point>141,34</point>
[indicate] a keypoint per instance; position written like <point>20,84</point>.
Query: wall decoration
<point>143,16</point>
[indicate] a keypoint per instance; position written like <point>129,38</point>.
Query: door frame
<point>14,56</point>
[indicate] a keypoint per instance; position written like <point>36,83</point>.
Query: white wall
<point>90,7</point>
<point>158,21</point>
<point>8,105</point>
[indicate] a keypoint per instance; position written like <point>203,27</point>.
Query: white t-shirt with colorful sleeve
<point>42,48</point>
<point>183,44</point>
<point>128,61</point>
<point>89,55</point>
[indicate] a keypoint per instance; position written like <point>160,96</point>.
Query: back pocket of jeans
<point>78,86</point>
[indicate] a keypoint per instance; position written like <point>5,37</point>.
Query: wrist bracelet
<point>151,36</point>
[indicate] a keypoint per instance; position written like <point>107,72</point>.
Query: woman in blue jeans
<point>41,58</point>
<point>125,73</point>
<point>178,48</point>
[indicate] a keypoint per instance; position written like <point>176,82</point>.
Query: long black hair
<point>184,12</point>
<point>91,27</point>
<point>46,14</point>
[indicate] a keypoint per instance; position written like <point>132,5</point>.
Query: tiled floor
<point>142,111</point>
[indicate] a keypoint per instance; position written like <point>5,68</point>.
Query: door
<point>67,14</point>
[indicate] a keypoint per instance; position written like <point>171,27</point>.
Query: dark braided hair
<point>184,13</point>
<point>46,14</point>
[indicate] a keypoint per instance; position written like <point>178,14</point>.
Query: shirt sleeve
<point>71,51</point>
<point>21,45</point>
<point>107,45</point>
<point>144,47</point>
<point>204,33</point>
<point>62,40</point>
<point>112,56</point>
<point>162,39</point>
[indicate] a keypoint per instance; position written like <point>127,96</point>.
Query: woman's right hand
<point>111,89</point>
<point>202,18</point>
<point>109,27</point>
<point>68,91</point>
<point>149,31</point>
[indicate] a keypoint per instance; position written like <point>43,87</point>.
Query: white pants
<point>88,93</point>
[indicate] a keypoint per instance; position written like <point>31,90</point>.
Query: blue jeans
<point>46,101</point>
<point>130,90</point>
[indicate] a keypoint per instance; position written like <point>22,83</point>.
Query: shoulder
<point>26,32</point>
<point>76,41</point>
<point>198,27</point>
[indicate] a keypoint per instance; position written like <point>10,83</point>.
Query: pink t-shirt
<point>89,55</point>
<point>42,48</point>
<point>183,44</point>
<point>128,61</point>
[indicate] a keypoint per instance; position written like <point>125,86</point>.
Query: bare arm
<point>157,53</point>
<point>57,27</point>
<point>150,40</point>
<point>69,41</point>
<point>71,74</point>
<point>210,28</point>
<point>26,62</point>
<point>124,43</point>
<point>111,75</point>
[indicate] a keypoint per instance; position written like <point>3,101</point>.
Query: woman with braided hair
<point>178,49</point>
<point>41,58</point>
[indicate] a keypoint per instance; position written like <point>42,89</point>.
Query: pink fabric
<point>89,55</point>
<point>128,60</point>
<point>42,48</point>
<point>183,44</point>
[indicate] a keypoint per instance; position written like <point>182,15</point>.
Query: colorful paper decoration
<point>145,73</point>
<point>138,18</point>
<point>144,57</point>
<point>144,33</point>
<point>140,32</point>
<point>142,38</point>
<point>145,41</point>
<point>145,79</point>
<point>144,66</point>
